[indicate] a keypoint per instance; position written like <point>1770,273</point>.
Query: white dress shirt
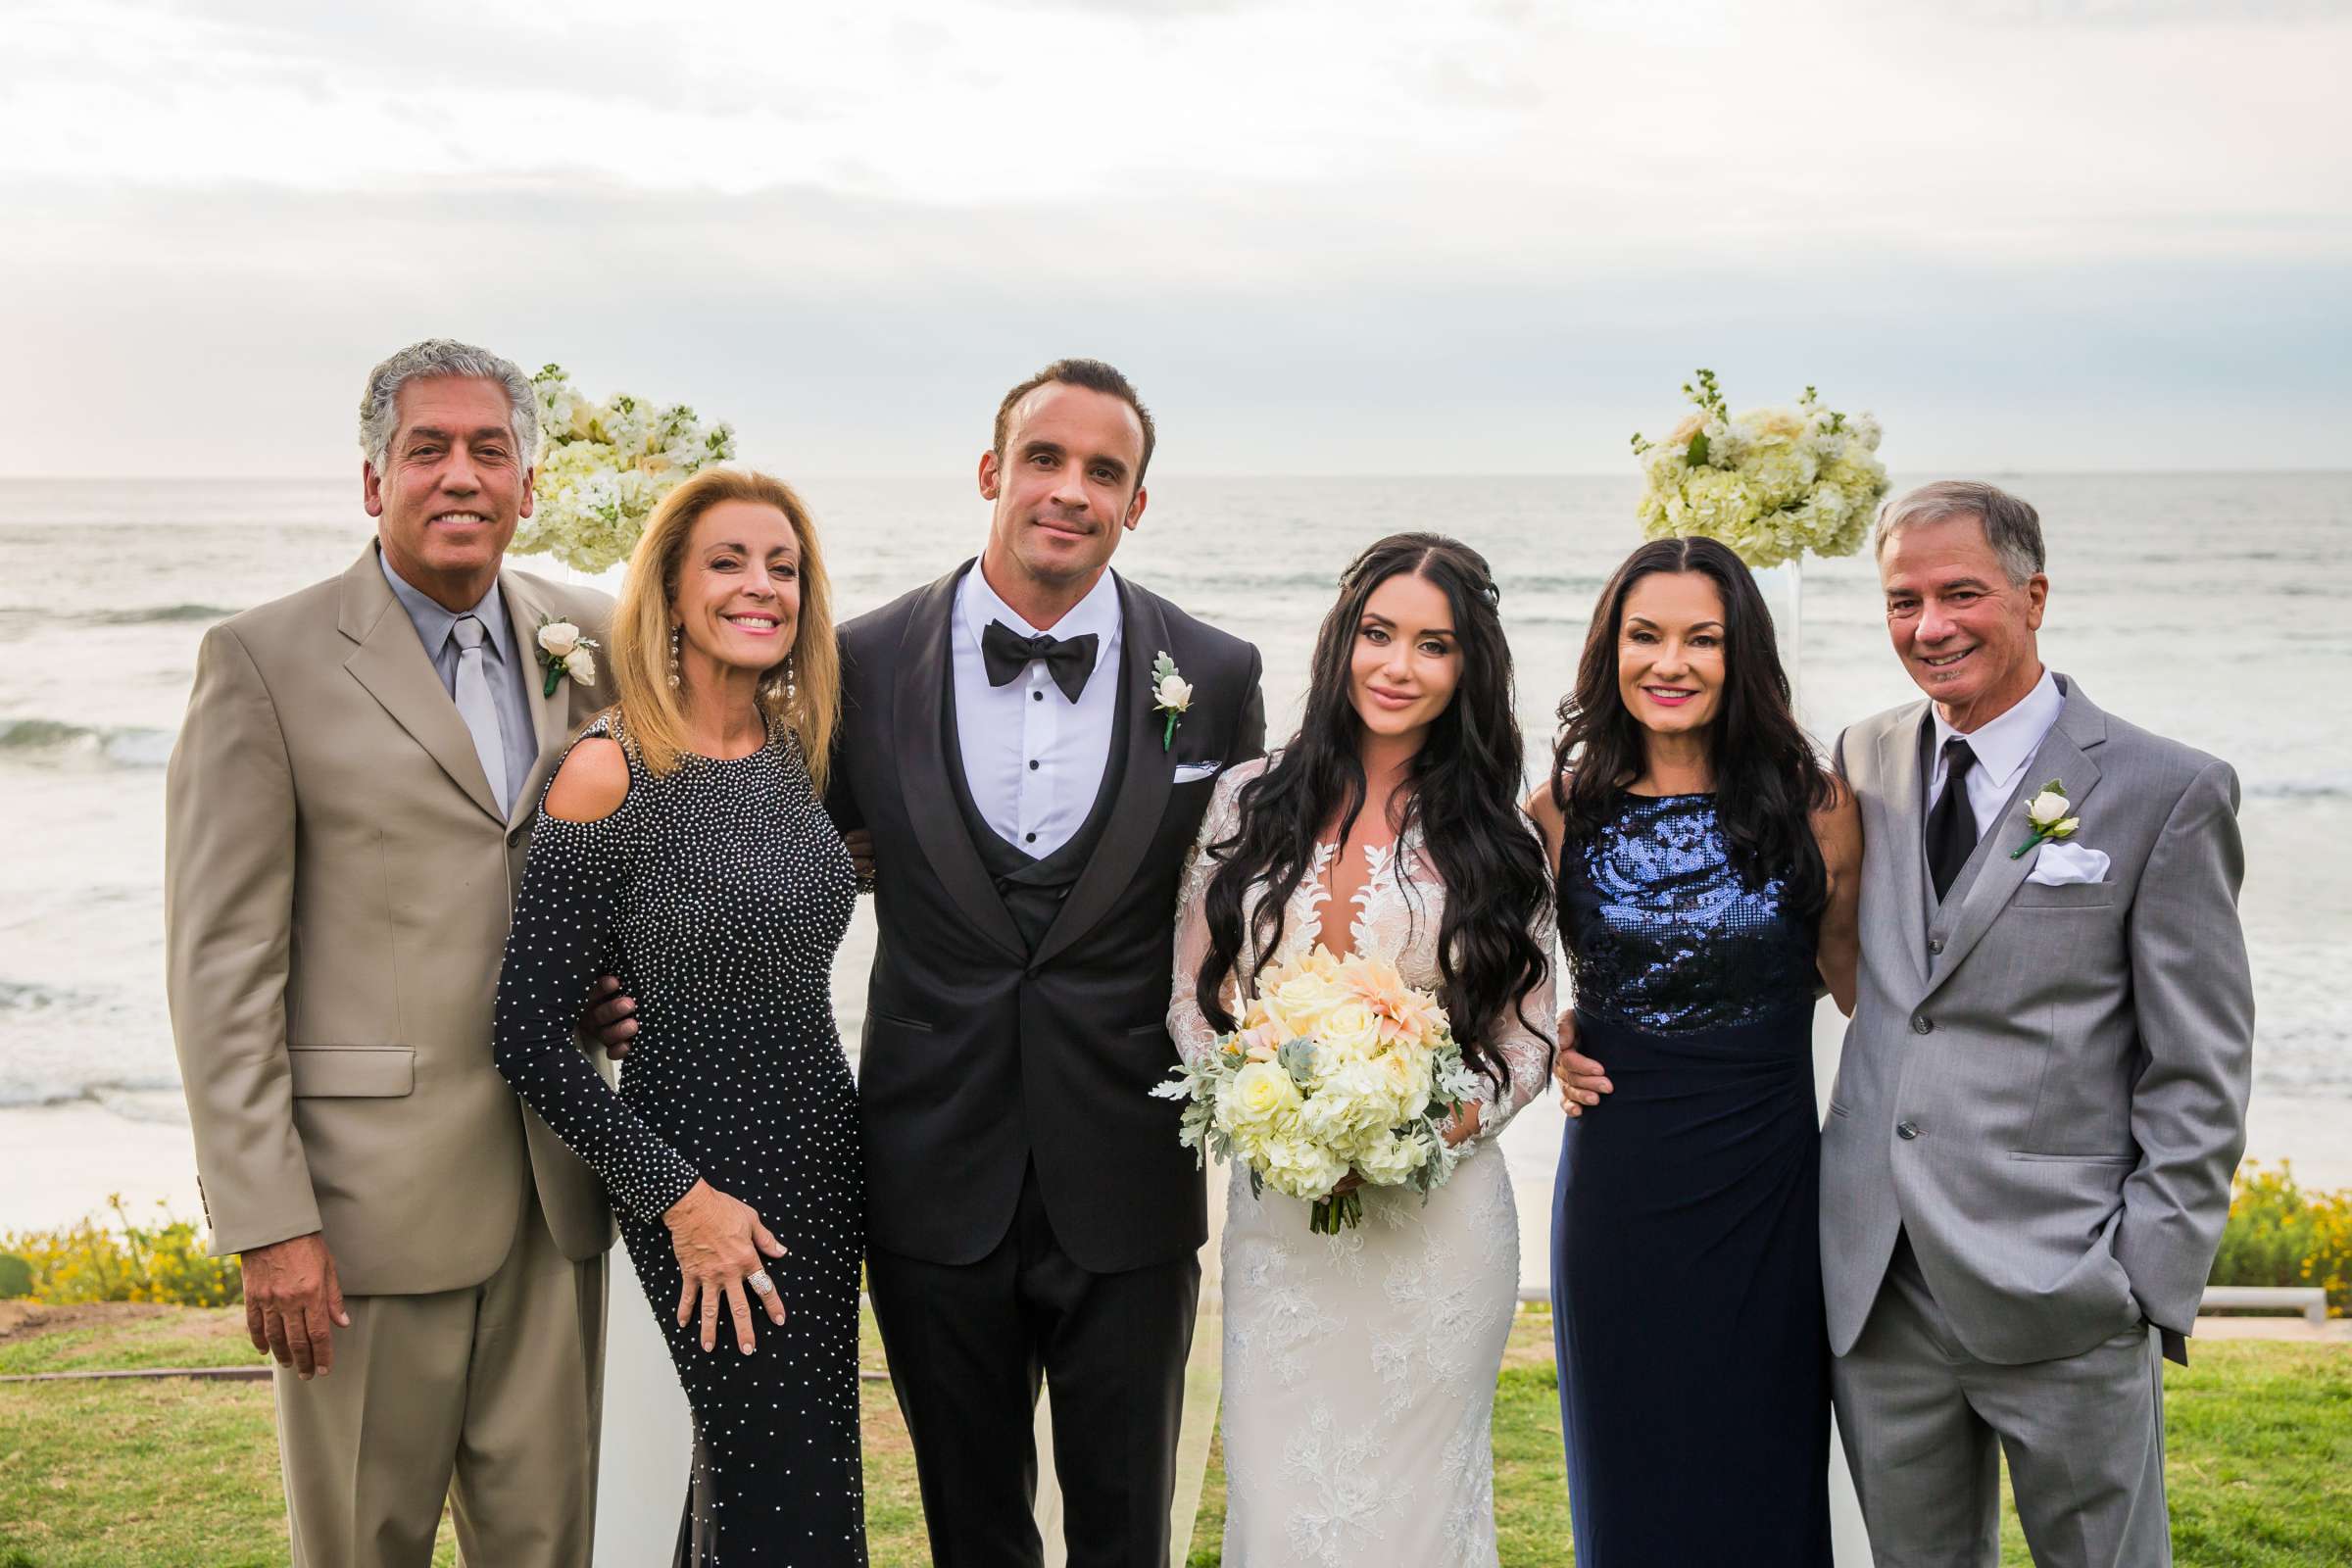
<point>1033,759</point>
<point>2003,746</point>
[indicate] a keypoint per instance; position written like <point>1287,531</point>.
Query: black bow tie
<point>1007,652</point>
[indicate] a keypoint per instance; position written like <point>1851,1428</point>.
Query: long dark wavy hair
<point>1768,780</point>
<point>1462,791</point>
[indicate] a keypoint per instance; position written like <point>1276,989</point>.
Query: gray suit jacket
<point>2044,1086</point>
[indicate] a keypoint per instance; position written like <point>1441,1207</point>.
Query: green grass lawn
<point>135,1474</point>
<point>2258,1464</point>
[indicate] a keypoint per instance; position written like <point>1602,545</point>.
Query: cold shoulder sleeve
<point>1530,1033</point>
<point>1188,1025</point>
<point>564,934</point>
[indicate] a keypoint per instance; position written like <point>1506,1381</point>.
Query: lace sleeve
<point>1188,1025</point>
<point>1527,1041</point>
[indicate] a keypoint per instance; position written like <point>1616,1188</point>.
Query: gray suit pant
<point>488,1396</point>
<point>1920,1419</point>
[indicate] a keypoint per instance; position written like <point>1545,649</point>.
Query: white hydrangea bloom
<point>1771,483</point>
<point>605,467</point>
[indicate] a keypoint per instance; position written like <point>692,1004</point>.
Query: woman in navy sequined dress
<point>1707,870</point>
<point>683,846</point>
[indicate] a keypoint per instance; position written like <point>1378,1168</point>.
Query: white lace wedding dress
<point>1359,1368</point>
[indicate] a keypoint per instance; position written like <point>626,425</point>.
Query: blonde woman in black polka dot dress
<point>683,846</point>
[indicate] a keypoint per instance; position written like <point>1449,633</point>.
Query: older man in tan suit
<point>348,804</point>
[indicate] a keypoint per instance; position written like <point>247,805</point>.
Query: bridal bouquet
<point>1771,483</point>
<point>1338,1067</point>
<point>603,468</point>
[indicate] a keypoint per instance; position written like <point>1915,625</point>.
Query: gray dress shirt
<point>509,667</point>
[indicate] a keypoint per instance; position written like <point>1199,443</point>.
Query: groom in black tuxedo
<point>1007,746</point>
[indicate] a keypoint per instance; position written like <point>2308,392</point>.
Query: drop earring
<point>675,633</point>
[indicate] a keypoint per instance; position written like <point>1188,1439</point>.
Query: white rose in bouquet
<point>1305,999</point>
<point>1259,1096</point>
<point>1350,1032</point>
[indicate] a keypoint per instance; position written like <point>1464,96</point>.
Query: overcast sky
<point>1324,236</point>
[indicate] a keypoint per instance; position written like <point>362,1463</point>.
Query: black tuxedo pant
<point>968,1343</point>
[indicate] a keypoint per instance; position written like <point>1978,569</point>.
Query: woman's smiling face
<point>1670,652</point>
<point>738,598</point>
<point>1407,658</point>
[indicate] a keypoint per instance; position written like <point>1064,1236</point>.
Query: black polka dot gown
<point>717,893</point>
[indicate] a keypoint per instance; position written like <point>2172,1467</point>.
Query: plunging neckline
<point>1380,860</point>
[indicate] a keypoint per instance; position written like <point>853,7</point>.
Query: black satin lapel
<point>918,734</point>
<point>1143,791</point>
<point>2004,871</point>
<point>1898,765</point>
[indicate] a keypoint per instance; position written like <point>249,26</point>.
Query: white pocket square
<point>1195,772</point>
<point>2061,866</point>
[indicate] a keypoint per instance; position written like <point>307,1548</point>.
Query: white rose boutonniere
<point>2045,815</point>
<point>1171,693</point>
<point>563,652</point>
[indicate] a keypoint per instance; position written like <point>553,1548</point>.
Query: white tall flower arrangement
<point>603,468</point>
<point>1771,483</point>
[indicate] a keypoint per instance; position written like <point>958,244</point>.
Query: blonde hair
<point>651,716</point>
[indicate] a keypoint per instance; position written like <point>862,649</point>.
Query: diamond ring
<point>760,1283</point>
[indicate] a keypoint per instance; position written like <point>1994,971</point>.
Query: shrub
<point>2279,1234</point>
<point>16,1279</point>
<point>91,1261</point>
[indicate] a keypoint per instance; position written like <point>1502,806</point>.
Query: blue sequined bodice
<point>1663,935</point>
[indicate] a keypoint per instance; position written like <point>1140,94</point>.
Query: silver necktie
<point>477,707</point>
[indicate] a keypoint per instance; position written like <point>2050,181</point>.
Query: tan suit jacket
<point>337,884</point>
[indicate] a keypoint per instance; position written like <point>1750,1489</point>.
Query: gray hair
<point>2011,524</point>
<point>379,405</point>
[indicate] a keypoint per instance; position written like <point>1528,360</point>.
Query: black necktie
<point>1007,652</point>
<point>1953,825</point>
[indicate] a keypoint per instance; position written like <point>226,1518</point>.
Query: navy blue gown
<point>1694,1360</point>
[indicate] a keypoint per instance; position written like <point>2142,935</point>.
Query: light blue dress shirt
<point>508,669</point>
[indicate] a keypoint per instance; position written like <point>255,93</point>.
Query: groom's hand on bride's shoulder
<point>1582,1080</point>
<point>293,1302</point>
<point>610,1017</point>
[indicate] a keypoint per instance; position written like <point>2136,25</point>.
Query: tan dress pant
<point>489,1397</point>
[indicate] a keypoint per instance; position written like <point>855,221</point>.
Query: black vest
<point>1033,889</point>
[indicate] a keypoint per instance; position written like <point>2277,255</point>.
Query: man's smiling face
<point>1066,485</point>
<point>452,486</point>
<point>1965,632</point>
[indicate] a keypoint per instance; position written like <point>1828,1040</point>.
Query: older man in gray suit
<point>2027,1162</point>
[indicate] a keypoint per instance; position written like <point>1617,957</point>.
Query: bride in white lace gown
<point>1359,1369</point>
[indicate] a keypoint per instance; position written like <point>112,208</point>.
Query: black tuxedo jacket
<point>979,1055</point>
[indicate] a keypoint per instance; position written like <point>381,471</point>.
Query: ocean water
<point>2206,607</point>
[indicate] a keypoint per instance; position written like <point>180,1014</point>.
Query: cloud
<point>1370,236</point>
